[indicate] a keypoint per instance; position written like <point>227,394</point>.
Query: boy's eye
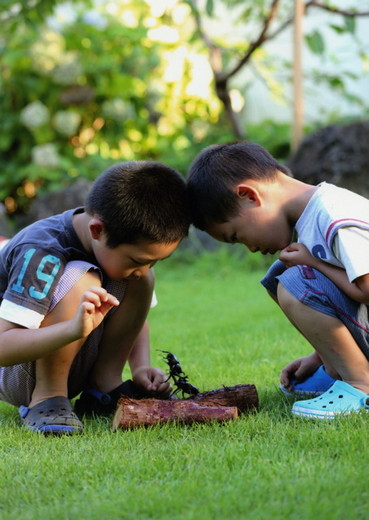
<point>136,262</point>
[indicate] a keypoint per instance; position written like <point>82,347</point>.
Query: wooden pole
<point>298,104</point>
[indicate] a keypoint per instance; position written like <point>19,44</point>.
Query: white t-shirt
<point>352,239</point>
<point>334,226</point>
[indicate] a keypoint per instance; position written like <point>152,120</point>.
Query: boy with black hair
<point>75,292</point>
<point>240,193</point>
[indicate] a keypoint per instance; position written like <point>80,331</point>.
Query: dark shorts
<point>315,290</point>
<point>18,381</point>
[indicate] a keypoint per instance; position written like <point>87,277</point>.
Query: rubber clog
<point>313,386</point>
<point>340,399</point>
<point>53,416</point>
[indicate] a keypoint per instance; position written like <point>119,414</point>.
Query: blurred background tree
<point>87,84</point>
<point>255,25</point>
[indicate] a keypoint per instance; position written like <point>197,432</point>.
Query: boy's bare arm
<point>298,254</point>
<point>140,353</point>
<point>151,378</point>
<point>19,345</point>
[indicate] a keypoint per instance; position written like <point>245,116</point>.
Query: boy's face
<point>131,261</point>
<point>260,227</point>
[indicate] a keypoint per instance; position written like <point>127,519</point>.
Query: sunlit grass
<point>266,465</point>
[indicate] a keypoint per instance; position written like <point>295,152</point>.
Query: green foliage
<point>101,88</point>
<point>32,12</point>
<point>274,137</point>
<point>350,24</point>
<point>209,6</point>
<point>50,99</point>
<point>315,42</point>
<point>76,100</point>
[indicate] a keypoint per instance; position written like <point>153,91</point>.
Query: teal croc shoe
<point>340,399</point>
<point>316,384</point>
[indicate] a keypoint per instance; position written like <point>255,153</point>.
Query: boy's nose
<point>141,271</point>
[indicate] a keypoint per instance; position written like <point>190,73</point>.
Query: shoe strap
<point>23,411</point>
<point>100,396</point>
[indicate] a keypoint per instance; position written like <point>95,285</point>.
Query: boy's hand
<point>96,302</point>
<point>152,380</point>
<point>300,369</point>
<point>297,254</point>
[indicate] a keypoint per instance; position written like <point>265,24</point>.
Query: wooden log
<point>132,413</point>
<point>244,397</point>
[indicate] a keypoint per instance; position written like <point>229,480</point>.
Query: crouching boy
<point>240,193</point>
<point>75,292</point>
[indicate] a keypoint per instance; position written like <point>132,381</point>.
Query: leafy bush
<point>76,100</point>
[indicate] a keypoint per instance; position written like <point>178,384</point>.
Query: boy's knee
<point>286,300</point>
<point>68,296</point>
<point>89,279</point>
<point>71,293</point>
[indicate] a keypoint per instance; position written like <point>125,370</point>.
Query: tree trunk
<point>221,88</point>
<point>298,89</point>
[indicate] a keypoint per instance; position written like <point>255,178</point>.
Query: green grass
<point>267,465</point>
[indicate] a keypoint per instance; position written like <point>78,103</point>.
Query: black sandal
<point>52,416</point>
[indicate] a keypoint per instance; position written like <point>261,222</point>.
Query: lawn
<point>214,315</point>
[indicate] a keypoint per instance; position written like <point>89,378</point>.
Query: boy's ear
<point>248,193</point>
<point>96,228</point>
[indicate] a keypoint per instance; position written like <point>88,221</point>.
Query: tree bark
<point>244,397</point>
<point>132,413</point>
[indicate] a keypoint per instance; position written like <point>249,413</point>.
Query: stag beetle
<point>180,379</point>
